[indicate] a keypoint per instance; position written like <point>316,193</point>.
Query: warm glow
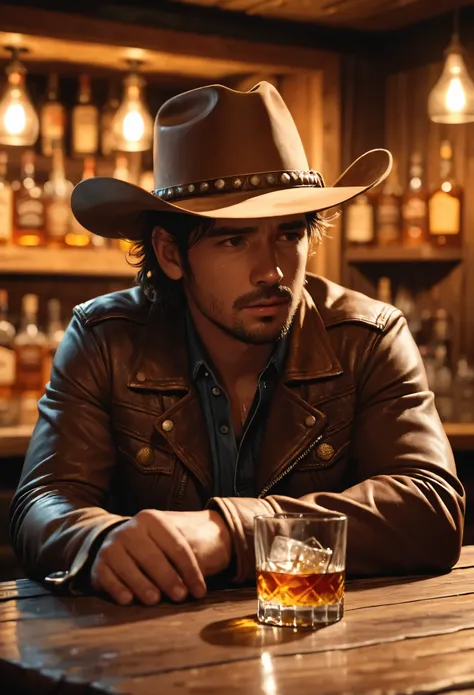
<point>15,119</point>
<point>133,126</point>
<point>446,186</point>
<point>455,96</point>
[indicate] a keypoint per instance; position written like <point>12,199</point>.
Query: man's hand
<point>161,552</point>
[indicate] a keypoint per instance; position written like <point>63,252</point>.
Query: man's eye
<point>291,236</point>
<point>233,241</point>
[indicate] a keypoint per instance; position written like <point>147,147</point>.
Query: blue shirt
<point>233,461</point>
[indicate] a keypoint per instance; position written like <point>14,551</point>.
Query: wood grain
<point>411,634</point>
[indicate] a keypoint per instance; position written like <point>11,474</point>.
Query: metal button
<point>325,452</point>
<point>310,421</point>
<point>145,456</point>
<point>167,425</point>
<point>141,376</point>
<point>216,391</point>
<point>223,429</point>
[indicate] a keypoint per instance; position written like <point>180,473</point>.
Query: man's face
<point>247,276</point>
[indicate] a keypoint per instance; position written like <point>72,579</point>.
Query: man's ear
<point>167,253</point>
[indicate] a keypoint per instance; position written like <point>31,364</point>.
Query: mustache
<point>279,293</point>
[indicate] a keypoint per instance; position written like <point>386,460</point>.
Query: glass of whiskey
<point>300,566</point>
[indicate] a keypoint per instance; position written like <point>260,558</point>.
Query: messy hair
<point>186,231</point>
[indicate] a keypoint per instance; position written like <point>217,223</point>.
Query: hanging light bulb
<point>19,123</point>
<point>132,125</point>
<point>452,98</point>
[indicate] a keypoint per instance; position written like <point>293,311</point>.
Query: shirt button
<point>310,421</point>
<point>145,456</point>
<point>223,429</point>
<point>216,391</point>
<point>141,376</point>
<point>167,425</point>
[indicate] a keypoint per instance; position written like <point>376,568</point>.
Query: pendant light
<point>19,123</point>
<point>452,98</point>
<point>132,125</point>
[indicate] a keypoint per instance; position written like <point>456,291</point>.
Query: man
<point>228,383</point>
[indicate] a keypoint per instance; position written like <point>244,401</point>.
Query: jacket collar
<point>163,364</point>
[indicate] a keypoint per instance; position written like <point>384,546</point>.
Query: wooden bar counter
<point>399,636</point>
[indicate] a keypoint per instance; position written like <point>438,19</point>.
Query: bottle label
<point>7,367</point>
<point>85,129</point>
<point>29,213</point>
<point>6,212</point>
<point>445,214</point>
<point>58,218</point>
<point>30,367</point>
<point>360,223</point>
<point>388,220</point>
<point>52,126</point>
<point>415,209</point>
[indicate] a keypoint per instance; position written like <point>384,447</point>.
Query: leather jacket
<point>352,428</point>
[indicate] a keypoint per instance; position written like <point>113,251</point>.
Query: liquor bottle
<point>52,119</point>
<point>405,301</point>
<point>54,335</point>
<point>7,364</point>
<point>107,141</point>
<point>57,193</point>
<point>122,172</point>
<point>28,206</point>
<point>85,121</point>
<point>415,207</point>
<point>445,204</point>
<point>384,290</point>
<point>443,384</point>
<point>464,391</point>
<point>360,221</point>
<point>6,202</point>
<point>31,351</point>
<point>389,211</point>
<point>78,235</point>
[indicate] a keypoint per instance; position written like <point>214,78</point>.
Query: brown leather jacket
<point>352,428</point>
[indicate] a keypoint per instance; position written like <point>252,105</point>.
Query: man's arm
<point>406,512</point>
<point>57,511</point>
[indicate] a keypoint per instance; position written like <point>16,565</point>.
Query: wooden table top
<point>403,635</point>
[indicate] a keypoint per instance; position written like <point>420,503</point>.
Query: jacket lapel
<point>293,424</point>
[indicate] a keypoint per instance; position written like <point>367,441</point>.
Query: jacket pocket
<point>333,446</point>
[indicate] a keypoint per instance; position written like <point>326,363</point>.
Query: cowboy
<point>229,382</point>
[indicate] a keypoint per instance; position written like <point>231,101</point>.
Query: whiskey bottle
<point>445,204</point>
<point>78,236</point>
<point>28,206</point>
<point>57,193</point>
<point>54,335</point>
<point>7,365</point>
<point>85,121</point>
<point>360,221</point>
<point>389,211</point>
<point>122,172</point>
<point>384,290</point>
<point>52,119</point>
<point>415,207</point>
<point>6,202</point>
<point>107,140</point>
<point>31,351</point>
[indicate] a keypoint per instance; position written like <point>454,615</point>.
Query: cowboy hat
<point>221,153</point>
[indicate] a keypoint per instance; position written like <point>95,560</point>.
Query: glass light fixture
<point>19,123</point>
<point>452,98</point>
<point>132,125</point>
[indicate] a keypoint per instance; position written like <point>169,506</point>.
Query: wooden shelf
<point>400,254</point>
<point>76,262</point>
<point>14,440</point>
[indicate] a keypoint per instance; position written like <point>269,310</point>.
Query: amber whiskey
<point>389,211</point>
<point>415,206</point>
<point>6,202</point>
<point>53,118</point>
<point>28,206</point>
<point>85,121</point>
<point>31,347</point>
<point>57,195</point>
<point>360,221</point>
<point>445,204</point>
<point>7,364</point>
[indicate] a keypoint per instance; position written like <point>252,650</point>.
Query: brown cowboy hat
<point>221,153</point>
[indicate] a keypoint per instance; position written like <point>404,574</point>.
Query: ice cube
<point>290,555</point>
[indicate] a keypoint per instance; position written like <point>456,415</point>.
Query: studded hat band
<point>266,180</point>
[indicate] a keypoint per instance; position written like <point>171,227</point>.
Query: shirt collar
<point>198,357</point>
